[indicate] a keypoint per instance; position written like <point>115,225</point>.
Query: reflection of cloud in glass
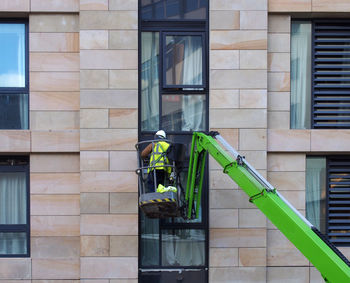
<point>12,55</point>
<point>12,80</point>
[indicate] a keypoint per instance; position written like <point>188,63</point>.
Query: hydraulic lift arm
<point>334,267</point>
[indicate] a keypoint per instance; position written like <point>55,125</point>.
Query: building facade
<point>81,82</point>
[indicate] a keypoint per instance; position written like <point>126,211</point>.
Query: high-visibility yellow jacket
<point>158,156</point>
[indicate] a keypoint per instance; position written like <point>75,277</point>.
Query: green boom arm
<point>333,266</point>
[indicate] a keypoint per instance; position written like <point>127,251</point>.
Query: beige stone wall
<point>55,220</point>
<point>278,72</point>
<point>238,110</point>
<point>287,173</point>
<point>309,6</point>
<point>108,122</point>
<point>54,82</point>
<point>52,142</point>
<point>54,124</point>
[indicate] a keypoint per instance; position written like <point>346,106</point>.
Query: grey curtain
<point>183,247</point>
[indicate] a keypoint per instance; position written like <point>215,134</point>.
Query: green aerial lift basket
<point>153,202</point>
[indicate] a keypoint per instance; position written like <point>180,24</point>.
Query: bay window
<point>173,83</point>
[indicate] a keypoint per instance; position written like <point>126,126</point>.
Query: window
<point>183,60</point>
<point>328,196</point>
<point>173,83</point>
<point>316,192</point>
<point>14,207</point>
<point>320,74</point>
<point>14,89</point>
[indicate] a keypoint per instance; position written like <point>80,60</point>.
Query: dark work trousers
<point>160,178</point>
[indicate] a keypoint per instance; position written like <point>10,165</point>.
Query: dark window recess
<point>338,197</point>
<point>14,111</point>
<point>331,74</point>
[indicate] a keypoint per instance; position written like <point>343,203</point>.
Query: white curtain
<point>149,241</point>
<point>149,81</point>
<point>12,55</point>
<point>193,60</point>
<point>193,113</point>
<point>193,105</point>
<point>300,116</point>
<point>183,248</point>
<point>13,210</point>
<point>316,191</point>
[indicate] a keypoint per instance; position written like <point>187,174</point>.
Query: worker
<point>157,151</point>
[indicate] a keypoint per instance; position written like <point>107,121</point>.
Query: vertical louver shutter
<point>331,74</point>
<point>339,201</point>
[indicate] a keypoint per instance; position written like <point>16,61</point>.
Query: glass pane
<point>174,9</point>
<point>184,60</point>
<point>183,179</point>
<point>13,243</point>
<point>300,108</point>
<point>149,241</point>
<point>185,247</point>
<point>316,191</point>
<point>183,112</point>
<point>12,55</point>
<point>13,198</point>
<point>14,111</point>
<point>149,81</point>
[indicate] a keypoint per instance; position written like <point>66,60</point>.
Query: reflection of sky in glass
<point>12,55</point>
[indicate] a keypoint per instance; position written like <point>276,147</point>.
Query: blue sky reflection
<point>12,55</point>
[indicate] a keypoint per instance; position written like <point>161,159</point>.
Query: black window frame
<point>179,27</point>
<point>17,164</point>
<point>166,86</point>
<point>317,89</point>
<point>175,26</point>
<point>25,89</point>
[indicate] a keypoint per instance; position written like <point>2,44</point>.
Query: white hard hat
<point>161,134</point>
